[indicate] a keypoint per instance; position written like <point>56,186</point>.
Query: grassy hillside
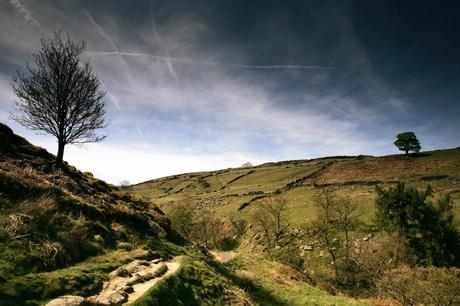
<point>65,232</point>
<point>279,211</point>
<point>252,280</point>
<point>240,189</point>
<point>62,231</point>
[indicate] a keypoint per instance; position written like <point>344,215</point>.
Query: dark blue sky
<point>195,85</point>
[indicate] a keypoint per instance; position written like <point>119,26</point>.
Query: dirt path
<point>141,289</point>
<point>128,283</point>
<point>223,257</point>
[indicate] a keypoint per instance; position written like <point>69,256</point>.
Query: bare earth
<point>223,257</point>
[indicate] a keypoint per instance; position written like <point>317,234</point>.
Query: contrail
<point>26,13</point>
<point>171,70</point>
<point>207,63</point>
<point>101,32</point>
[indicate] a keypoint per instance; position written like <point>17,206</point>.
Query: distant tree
<point>407,141</point>
<point>61,95</point>
<point>270,217</point>
<point>337,218</point>
<point>428,227</point>
<point>124,183</point>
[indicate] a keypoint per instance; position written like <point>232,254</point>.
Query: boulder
<point>67,300</point>
<point>116,298</point>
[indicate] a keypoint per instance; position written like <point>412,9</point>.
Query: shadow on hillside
<point>257,293</point>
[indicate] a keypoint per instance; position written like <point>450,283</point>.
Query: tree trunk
<point>407,152</point>
<point>60,154</point>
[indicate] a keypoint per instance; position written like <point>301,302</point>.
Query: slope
<point>238,190</point>
<point>64,232</point>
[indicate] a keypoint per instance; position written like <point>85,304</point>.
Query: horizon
<point>207,86</point>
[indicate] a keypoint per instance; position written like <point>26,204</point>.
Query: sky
<point>205,85</point>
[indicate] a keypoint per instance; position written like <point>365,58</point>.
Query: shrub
<point>427,226</point>
<point>124,246</point>
<point>422,285</point>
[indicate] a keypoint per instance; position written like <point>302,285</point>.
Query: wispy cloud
<point>158,39</point>
<point>188,90</point>
<point>107,37</point>
<point>209,63</point>
<point>27,14</point>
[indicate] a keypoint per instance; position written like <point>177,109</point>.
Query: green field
<point>297,181</point>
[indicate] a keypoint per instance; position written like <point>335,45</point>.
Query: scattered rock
<point>131,281</point>
<point>67,300</point>
<point>117,298</point>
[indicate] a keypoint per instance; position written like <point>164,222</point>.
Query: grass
<point>104,226</point>
<point>353,177</point>
<point>61,230</point>
<point>242,281</point>
<point>268,283</point>
<point>195,283</point>
<point>161,271</point>
<point>84,279</point>
<point>287,285</point>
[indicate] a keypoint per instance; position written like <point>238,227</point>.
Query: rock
<point>67,300</point>
<point>308,248</point>
<point>277,247</point>
<point>246,165</point>
<point>158,230</point>
<point>116,298</point>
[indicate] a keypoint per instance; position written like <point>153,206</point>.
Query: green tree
<point>61,96</point>
<point>407,141</point>
<point>427,226</point>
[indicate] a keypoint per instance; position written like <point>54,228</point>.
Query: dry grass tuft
<point>246,277</point>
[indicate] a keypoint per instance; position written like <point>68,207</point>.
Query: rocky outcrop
<point>67,300</point>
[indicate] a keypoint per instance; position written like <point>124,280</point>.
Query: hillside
<point>64,232</point>
<point>319,217</point>
<point>240,189</point>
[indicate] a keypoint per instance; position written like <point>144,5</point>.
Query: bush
<point>124,246</point>
<point>422,285</point>
<point>427,226</point>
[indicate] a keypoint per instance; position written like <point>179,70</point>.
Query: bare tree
<point>270,218</point>
<point>347,219</point>
<point>61,95</point>
<point>337,216</point>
